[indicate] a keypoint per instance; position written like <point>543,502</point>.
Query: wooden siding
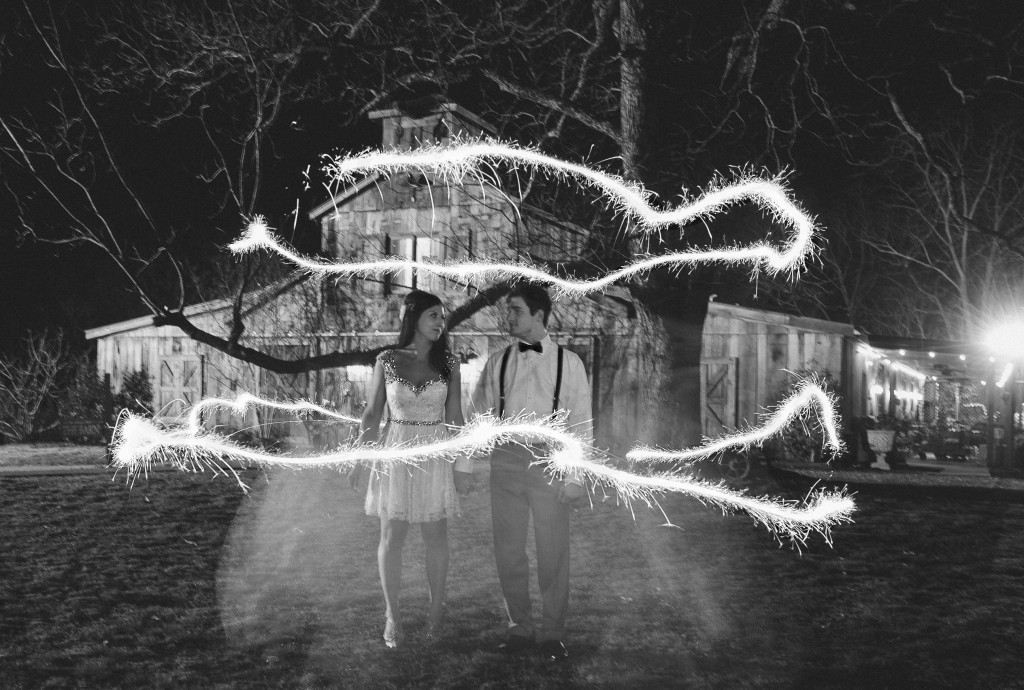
<point>763,347</point>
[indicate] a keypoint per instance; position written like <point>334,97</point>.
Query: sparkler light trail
<point>452,164</point>
<point>258,236</point>
<point>138,444</point>
<point>244,401</point>
<point>794,407</point>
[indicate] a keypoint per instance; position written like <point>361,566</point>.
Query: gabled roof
<point>342,198</point>
<point>258,299</point>
<point>453,109</point>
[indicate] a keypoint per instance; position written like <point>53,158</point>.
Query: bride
<point>418,381</point>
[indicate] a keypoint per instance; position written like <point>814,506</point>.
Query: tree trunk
<point>632,82</point>
<point>672,414</point>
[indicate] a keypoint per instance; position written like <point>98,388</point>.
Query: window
<point>331,228</point>
<point>416,249</point>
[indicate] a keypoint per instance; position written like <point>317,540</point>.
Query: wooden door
<point>718,396</point>
<point>178,386</point>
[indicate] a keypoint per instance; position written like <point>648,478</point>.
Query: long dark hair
<point>417,302</point>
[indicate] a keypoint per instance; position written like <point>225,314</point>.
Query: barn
<point>750,359</point>
<point>403,215</point>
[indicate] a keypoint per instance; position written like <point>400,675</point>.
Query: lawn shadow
<point>297,571</point>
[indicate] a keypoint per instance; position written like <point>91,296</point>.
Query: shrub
<point>136,394</point>
<point>84,406</point>
<point>85,396</point>
<point>30,384</point>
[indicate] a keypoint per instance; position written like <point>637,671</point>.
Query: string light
<point>899,366</point>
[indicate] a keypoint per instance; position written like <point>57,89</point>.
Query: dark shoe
<point>553,650</point>
<point>516,644</point>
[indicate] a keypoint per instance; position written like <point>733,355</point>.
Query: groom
<point>533,376</point>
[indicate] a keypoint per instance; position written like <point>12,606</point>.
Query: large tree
<point>666,93</point>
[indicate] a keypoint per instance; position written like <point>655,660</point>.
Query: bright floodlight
<point>1007,340</point>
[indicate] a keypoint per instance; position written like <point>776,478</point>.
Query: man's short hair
<point>535,296</point>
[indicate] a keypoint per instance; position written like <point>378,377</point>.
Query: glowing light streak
<point>244,401</point>
<point>455,162</point>
<point>452,164</point>
<point>1005,376</point>
<point>792,408</point>
<point>258,236</point>
<point>912,396</point>
<point>138,444</point>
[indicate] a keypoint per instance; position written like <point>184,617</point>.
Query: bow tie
<point>536,347</point>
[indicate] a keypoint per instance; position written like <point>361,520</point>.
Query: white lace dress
<point>421,493</point>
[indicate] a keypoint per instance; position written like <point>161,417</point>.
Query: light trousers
<point>517,489</point>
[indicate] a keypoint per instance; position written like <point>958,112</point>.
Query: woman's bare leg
<point>435,538</point>
<point>389,561</point>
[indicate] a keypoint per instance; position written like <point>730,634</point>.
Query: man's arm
<point>455,419</point>
<point>577,401</point>
<point>480,402</point>
<point>482,399</point>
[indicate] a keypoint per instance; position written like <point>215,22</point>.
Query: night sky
<point>942,59</point>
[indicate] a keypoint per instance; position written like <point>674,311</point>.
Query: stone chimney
<point>412,125</point>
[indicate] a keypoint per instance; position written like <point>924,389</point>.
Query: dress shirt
<point>530,387</point>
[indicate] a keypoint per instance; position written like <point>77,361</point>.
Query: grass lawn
<point>25,454</point>
<point>183,581</point>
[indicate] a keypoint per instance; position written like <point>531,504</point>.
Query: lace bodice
<point>416,416</point>
<point>412,403</point>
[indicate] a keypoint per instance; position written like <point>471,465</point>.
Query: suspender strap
<point>558,381</point>
<point>501,382</point>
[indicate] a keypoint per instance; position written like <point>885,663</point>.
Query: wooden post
<point>992,459</point>
<point>595,384</point>
<point>108,414</point>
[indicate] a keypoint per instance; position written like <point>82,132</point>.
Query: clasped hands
<point>463,480</point>
<point>567,493</point>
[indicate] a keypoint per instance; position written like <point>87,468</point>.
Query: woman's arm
<point>453,417</point>
<point>369,426</point>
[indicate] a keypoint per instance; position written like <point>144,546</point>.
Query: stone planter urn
<point>880,441</point>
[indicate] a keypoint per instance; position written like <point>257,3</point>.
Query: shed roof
<point>780,319</point>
